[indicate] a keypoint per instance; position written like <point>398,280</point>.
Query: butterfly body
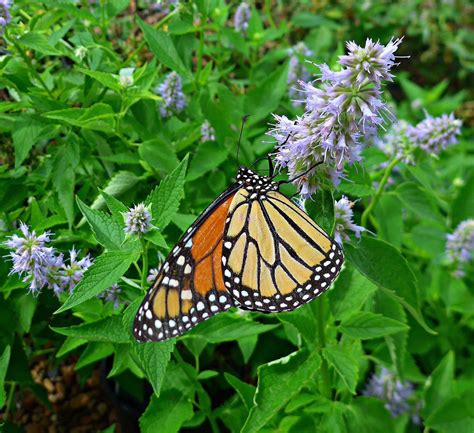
<point>252,248</point>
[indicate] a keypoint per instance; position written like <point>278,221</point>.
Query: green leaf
<point>209,155</point>
<point>278,382</point>
<point>116,207</point>
<point>158,154</point>
<point>389,216</point>
<point>265,98</point>
<point>106,229</point>
<point>109,330</point>
<point>103,273</point>
<point>321,210</point>
<point>105,78</point>
<point>167,413</point>
<point>440,385</point>
<point>4,361</point>
<point>64,179</point>
<point>304,320</point>
<point>69,344</point>
<point>153,358</point>
<point>27,131</point>
<point>163,48</point>
<point>369,415</point>
<point>156,238</point>
<point>95,351</point>
<point>351,291</point>
<point>462,208</point>
<point>344,364</point>
<point>245,391</point>
<point>100,117</point>
<point>38,42</point>
<point>382,263</point>
<point>453,416</point>
<point>226,327</point>
<point>417,200</point>
<point>120,183</point>
<point>165,198</point>
<point>365,325</point>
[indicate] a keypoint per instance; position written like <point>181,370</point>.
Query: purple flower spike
<point>5,16</point>
<point>344,220</point>
<point>242,17</point>
<point>31,258</point>
<point>297,72</point>
<point>207,132</point>
<point>137,220</point>
<point>111,295</point>
<point>460,246</point>
<point>171,90</point>
<point>342,114</point>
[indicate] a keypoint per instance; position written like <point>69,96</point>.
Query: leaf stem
<point>9,400</point>
<point>321,325</point>
<point>144,263</point>
<point>380,189</point>
<point>31,67</point>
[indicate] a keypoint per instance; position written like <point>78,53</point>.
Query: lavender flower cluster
<point>171,90</point>
<point>297,71</point>
<point>342,112</point>
<point>137,220</point>
<point>242,18</point>
<point>344,220</point>
<point>398,396</point>
<point>207,132</point>
<point>432,135</point>
<point>42,267</point>
<point>5,16</point>
<point>460,246</point>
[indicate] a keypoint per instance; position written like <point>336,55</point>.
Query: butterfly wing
<point>189,287</point>
<point>275,258</point>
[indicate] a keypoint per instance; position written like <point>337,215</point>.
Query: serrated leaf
<point>109,330</point>
<point>167,413</point>
<point>163,48</point>
<point>106,229</point>
<point>153,358</point>
<point>94,351</point>
<point>107,79</point>
<point>453,415</point>
<point>38,42</point>
<point>27,130</point>
<point>304,320</point>
<point>344,364</point>
<point>321,209</point>
<point>69,344</point>
<point>351,291</point>
<point>4,361</point>
<point>440,385</point>
<point>229,328</point>
<point>365,325</point>
<point>102,274</point>
<point>278,382</point>
<point>165,198</point>
<point>120,183</point>
<point>244,390</point>
<point>116,207</point>
<point>383,264</point>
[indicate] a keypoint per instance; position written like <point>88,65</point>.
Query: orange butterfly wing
<point>189,287</point>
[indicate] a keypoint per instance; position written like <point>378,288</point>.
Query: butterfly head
<point>254,183</point>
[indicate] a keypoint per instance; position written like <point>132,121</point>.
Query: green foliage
<point>83,141</point>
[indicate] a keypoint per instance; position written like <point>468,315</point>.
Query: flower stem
<point>9,400</point>
<point>379,191</point>
<point>321,325</point>
<point>144,263</point>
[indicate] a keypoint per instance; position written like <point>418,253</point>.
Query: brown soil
<point>74,408</point>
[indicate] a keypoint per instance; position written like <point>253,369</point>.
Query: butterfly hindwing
<point>275,257</point>
<point>189,287</point>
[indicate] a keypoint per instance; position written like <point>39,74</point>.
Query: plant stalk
<point>144,263</point>
<point>380,189</point>
<point>321,325</point>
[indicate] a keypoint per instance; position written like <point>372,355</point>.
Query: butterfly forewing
<point>275,258</point>
<point>189,287</point>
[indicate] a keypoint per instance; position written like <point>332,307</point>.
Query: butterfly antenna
<point>302,174</point>
<point>244,120</point>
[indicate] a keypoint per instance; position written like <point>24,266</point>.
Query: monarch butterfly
<point>252,248</point>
